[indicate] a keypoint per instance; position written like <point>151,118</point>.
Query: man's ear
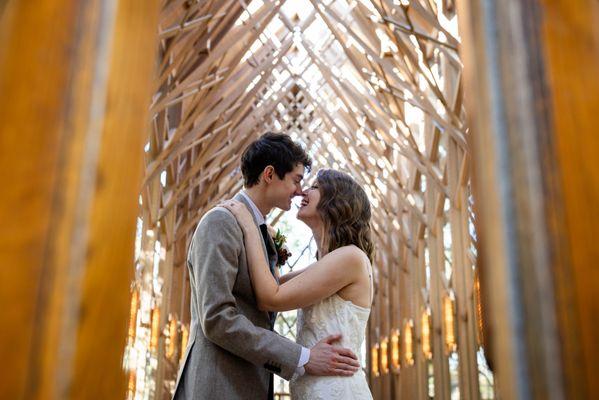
<point>268,173</point>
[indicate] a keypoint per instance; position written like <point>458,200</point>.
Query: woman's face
<point>307,212</point>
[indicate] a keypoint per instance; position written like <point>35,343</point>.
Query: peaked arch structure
<point>369,87</point>
<point>372,87</point>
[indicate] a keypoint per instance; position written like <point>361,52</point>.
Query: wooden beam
<point>531,66</point>
<point>75,79</point>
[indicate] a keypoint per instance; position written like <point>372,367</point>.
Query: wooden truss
<point>370,87</point>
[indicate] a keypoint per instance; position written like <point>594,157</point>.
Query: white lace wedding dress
<point>332,315</point>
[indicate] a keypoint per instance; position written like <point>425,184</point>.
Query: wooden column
<point>574,105</point>
<point>409,373</point>
<point>463,276</point>
<point>384,322</point>
<point>75,80</point>
<point>532,88</point>
<point>436,291</point>
<point>420,363</point>
<point>394,296</point>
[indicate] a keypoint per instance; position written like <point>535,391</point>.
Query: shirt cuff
<point>303,360</point>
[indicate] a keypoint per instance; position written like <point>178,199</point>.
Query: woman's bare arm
<point>320,280</point>
<point>290,275</point>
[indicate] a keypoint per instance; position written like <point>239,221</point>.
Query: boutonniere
<point>283,252</point>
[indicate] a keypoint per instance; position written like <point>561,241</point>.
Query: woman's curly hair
<point>345,210</point>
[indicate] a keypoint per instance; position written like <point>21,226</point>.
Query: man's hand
<point>329,360</point>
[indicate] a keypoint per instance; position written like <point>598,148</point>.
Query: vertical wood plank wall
<point>75,80</point>
<point>570,44</point>
<point>533,98</point>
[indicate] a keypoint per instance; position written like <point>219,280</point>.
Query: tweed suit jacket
<point>232,349</point>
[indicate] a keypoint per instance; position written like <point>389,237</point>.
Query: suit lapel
<point>242,199</point>
<point>270,260</point>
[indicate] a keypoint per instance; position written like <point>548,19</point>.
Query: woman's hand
<point>241,212</point>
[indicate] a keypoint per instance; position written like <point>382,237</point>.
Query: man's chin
<point>284,206</point>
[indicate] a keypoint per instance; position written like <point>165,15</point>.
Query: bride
<point>333,294</point>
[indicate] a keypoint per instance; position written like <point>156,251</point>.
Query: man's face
<point>282,191</point>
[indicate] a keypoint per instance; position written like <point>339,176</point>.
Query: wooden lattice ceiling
<point>369,87</point>
<point>338,76</point>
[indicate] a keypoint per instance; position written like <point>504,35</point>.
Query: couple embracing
<point>236,290</point>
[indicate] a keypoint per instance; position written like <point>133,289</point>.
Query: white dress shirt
<point>305,356</point>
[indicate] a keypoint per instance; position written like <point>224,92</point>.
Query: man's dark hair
<point>276,149</point>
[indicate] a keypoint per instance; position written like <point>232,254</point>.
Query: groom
<point>232,350</point>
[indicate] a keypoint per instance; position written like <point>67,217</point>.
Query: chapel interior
<point>471,124</point>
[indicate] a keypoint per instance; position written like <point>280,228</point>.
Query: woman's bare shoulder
<point>349,256</point>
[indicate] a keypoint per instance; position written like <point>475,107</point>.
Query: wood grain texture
<point>105,288</point>
<point>571,45</point>
<point>531,88</point>
<point>75,109</point>
<point>36,67</point>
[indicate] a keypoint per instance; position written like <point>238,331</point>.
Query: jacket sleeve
<point>214,255</point>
